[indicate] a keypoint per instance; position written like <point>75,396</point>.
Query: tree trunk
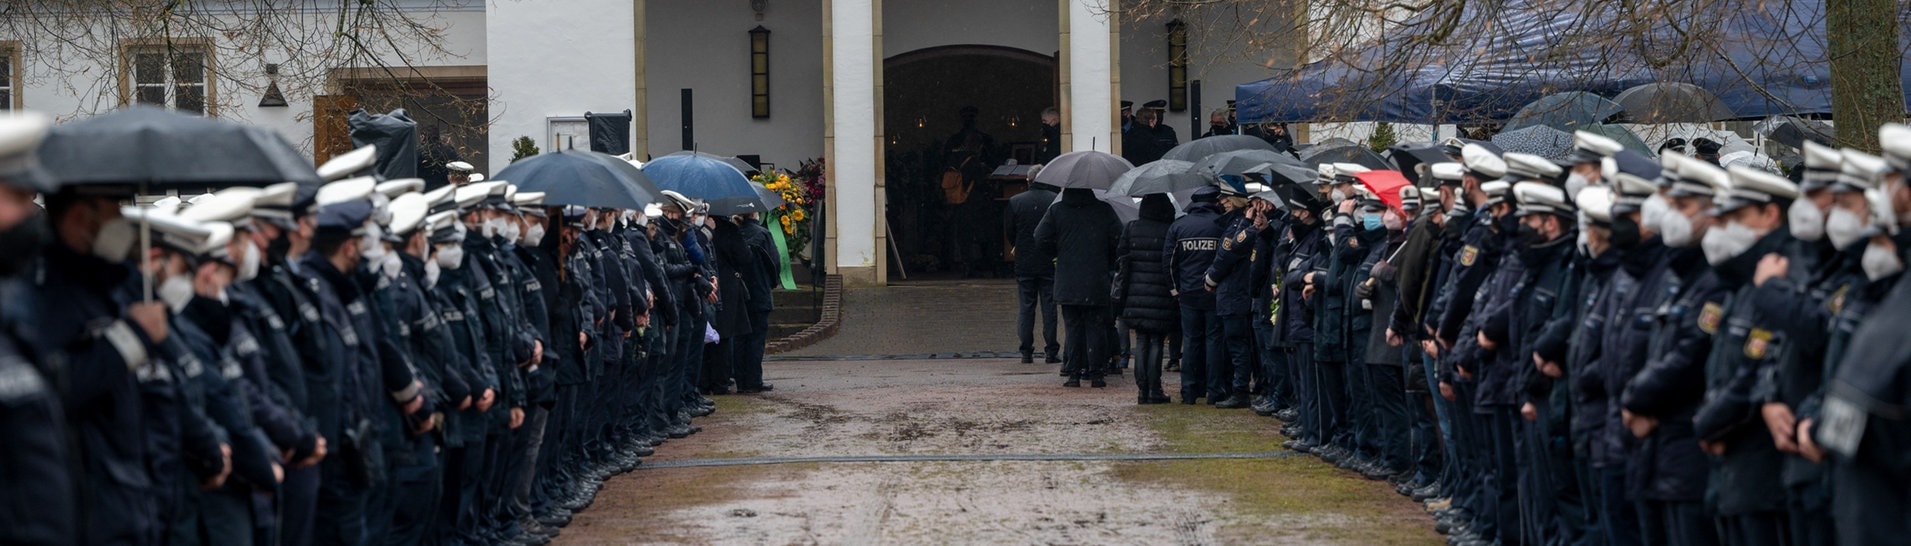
<point>1865,88</point>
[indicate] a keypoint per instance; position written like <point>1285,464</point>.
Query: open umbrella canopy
<point>771,199</point>
<point>1162,176</point>
<point>1084,169</point>
<point>1385,184</point>
<point>1626,138</point>
<point>740,165</point>
<point>1794,131</point>
<point>1409,156</point>
<point>1195,150</point>
<point>1240,161</point>
<point>1539,140</point>
<point>1126,208</point>
<point>1282,174</point>
<point>582,178</point>
<point>153,148</point>
<point>1671,102</point>
<point>703,176</point>
<point>1564,111</point>
<point>1347,153</point>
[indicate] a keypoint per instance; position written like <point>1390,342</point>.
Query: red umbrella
<point>1385,184</point>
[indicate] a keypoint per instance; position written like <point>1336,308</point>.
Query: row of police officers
<point>1601,350</point>
<point>363,362</point>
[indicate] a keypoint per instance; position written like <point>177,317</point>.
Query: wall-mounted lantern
<point>759,72</point>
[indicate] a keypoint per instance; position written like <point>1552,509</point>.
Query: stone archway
<point>922,93</point>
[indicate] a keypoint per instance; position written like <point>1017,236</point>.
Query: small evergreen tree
<point>1382,138</point>
<point>522,148</point>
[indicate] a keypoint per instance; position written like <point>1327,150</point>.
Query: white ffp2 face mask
<point>1653,212</point>
<point>450,257</point>
<point>534,235</point>
<point>1726,242</point>
<point>176,292</point>
<point>1805,220</point>
<point>115,241</point>
<point>1844,228</point>
<point>1879,262</point>
<point>249,263</point>
<point>1675,228</point>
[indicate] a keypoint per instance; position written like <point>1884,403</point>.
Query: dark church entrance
<point>970,109</point>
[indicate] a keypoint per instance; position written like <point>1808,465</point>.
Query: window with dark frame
<point>8,80</point>
<point>1177,65</point>
<point>173,77</point>
<point>759,72</point>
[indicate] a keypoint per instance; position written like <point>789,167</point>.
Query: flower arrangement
<point>793,216</point>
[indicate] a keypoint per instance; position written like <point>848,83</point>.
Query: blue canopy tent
<point>1764,60</point>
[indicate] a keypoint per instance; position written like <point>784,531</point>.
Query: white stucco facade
<point>556,59</point>
<point>704,46</point>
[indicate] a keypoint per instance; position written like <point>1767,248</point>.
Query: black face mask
<point>1625,232</point>
<point>1507,225</point>
<point>1530,237</point>
<point>21,245</point>
<point>279,247</point>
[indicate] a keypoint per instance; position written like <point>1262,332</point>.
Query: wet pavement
<point>855,448</point>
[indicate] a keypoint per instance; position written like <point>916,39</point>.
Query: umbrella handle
<point>145,249</point>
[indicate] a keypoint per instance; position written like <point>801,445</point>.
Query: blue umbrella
<point>701,176</point>
<point>582,178</point>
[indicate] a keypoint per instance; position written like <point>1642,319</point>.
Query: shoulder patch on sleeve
<point>1758,343</point>
<point>1709,317</point>
<point>1468,255</point>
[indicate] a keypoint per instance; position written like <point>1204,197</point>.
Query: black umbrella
<point>1350,153</point>
<point>1239,161</point>
<point>149,149</point>
<point>741,165</point>
<point>583,178</point>
<point>1672,102</point>
<point>1195,150</point>
<point>1283,174</point>
<point>1161,176</point>
<point>1409,156</point>
<point>1794,131</point>
<point>771,198</point>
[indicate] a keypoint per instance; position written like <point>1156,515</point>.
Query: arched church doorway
<point>925,95</point>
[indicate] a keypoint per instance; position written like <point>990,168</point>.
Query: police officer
<point>1537,324</point>
<point>1622,352</point>
<point>1590,160</point>
<point>1659,401</point>
<point>1417,267</point>
<point>1861,428</point>
<point>41,510</point>
<point>1468,262</point>
<point>1577,401</point>
<point>1228,278</point>
<point>759,276</point>
<point>1190,247</point>
<point>1748,228</point>
<point>1494,508</point>
<point>457,301</point>
<point>283,221</point>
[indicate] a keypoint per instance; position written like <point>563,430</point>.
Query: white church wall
<point>1214,57</point>
<point>704,45</point>
<point>556,59</point>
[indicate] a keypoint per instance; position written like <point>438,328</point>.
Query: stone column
<point>852,137</point>
<point>1091,81</point>
<point>640,109</point>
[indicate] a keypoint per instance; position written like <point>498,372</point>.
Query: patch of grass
<point>1298,498</point>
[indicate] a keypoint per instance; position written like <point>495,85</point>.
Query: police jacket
<point>228,410</point>
<point>1081,232</point>
<point>540,306</point>
<point>1542,317</point>
<point>37,497</point>
<point>1494,374</point>
<point>362,414</point>
<point>433,346</point>
<point>1230,276</point>
<point>1143,287</point>
<point>539,381</point>
<point>664,309</point>
<point>273,368</point>
<point>1340,311</point>
<point>1795,376</point>
<point>506,339</point>
<point>1477,258</point>
<point>1025,211</point>
<point>765,264</point>
<point>1192,242</point>
<point>242,366</point>
<point>1302,252</point>
<point>457,302</point>
<point>1862,421</point>
<point>1624,345</point>
<point>99,360</point>
<point>1440,269</point>
<point>1603,293</point>
<point>602,253</point>
<point>1668,464</point>
<point>1730,414</point>
<point>1262,273</point>
<point>683,275</point>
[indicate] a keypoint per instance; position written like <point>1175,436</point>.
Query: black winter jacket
<point>1025,211</point>
<point>1189,251</point>
<point>1081,232</point>
<point>1143,287</point>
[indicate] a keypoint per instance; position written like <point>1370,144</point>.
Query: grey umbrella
<point>1196,149</point>
<point>1349,153</point>
<point>1126,209</point>
<point>741,165</point>
<point>1672,102</point>
<point>146,149</point>
<point>1163,176</point>
<point>1625,137</point>
<point>1794,131</point>
<point>1084,169</point>
<point>771,199</point>
<point>1564,111</point>
<point>583,178</point>
<point>1539,140</point>
<point>1239,161</point>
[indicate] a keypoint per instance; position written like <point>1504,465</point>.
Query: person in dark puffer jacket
<point>1143,293</point>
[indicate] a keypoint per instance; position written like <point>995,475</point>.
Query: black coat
<point>1081,232</point>
<point>760,276</point>
<point>1143,287</point>
<point>1668,465</point>
<point>1189,251</point>
<point>1025,211</point>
